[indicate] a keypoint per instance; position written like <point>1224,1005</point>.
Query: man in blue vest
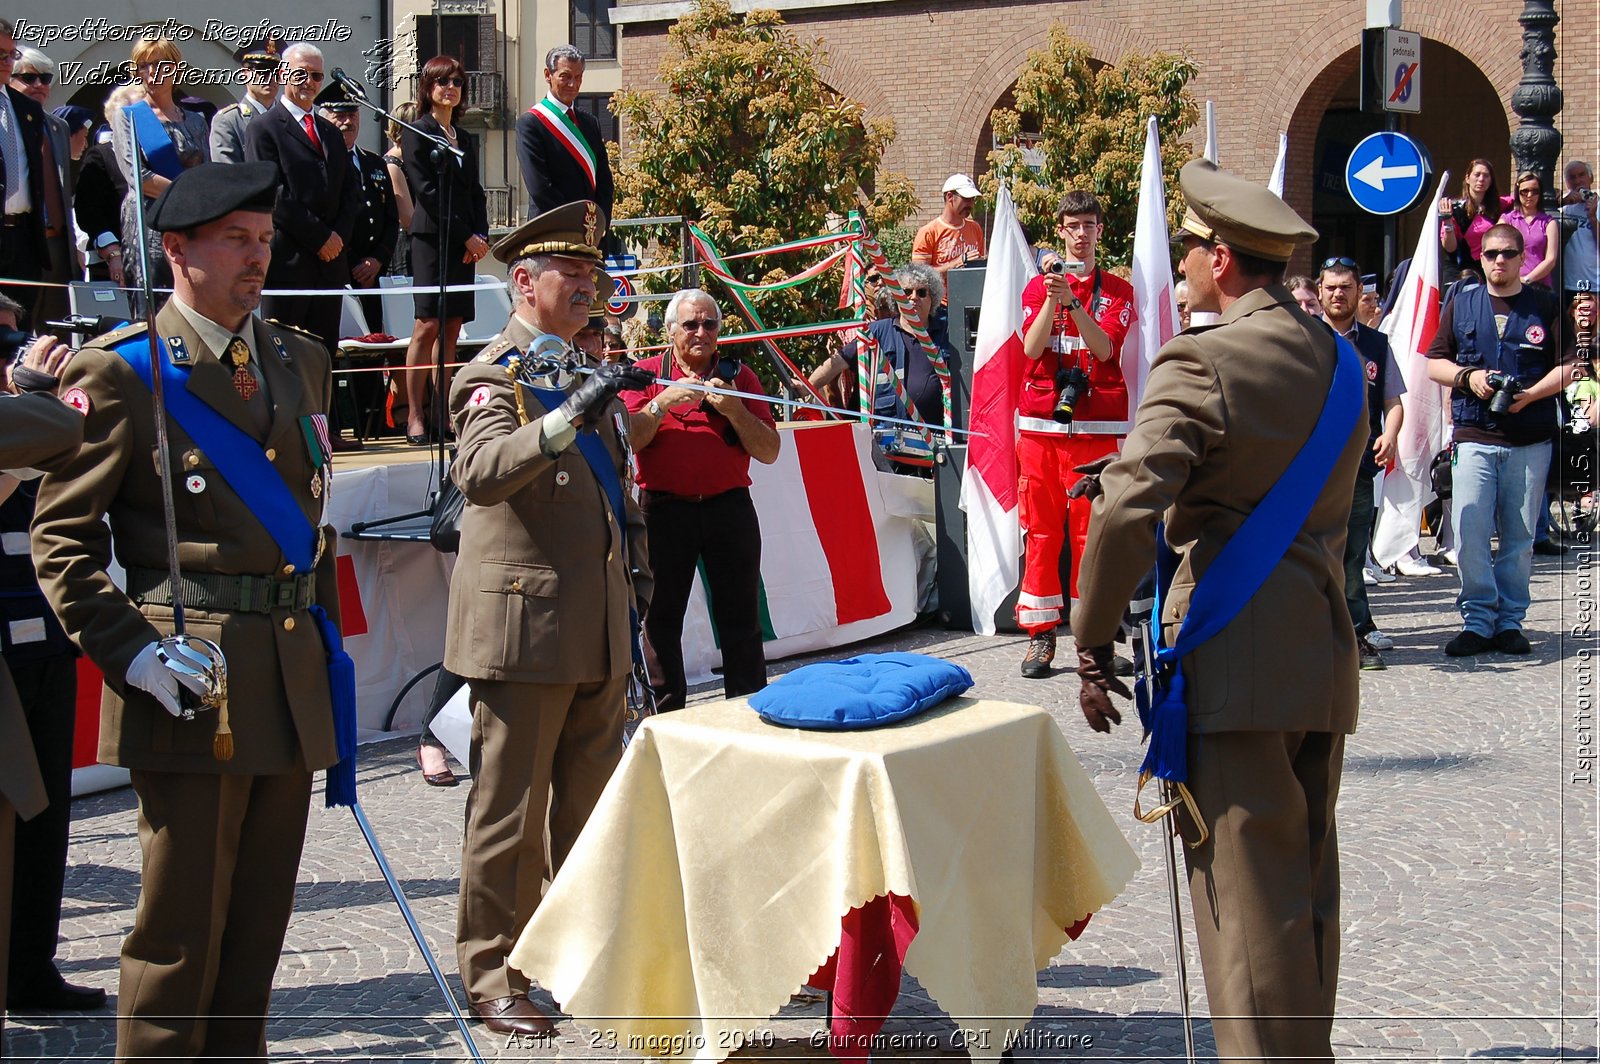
<point>1497,350</point>
<point>1339,291</point>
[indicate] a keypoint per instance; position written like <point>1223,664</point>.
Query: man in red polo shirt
<point>1073,408</point>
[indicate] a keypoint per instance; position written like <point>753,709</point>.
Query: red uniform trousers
<point>1051,521</point>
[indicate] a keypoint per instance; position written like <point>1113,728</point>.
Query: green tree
<point>747,141</point>
<point>1091,120</point>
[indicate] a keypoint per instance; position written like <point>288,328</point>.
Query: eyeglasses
<point>1078,227</point>
<point>1339,260</point>
<point>1496,254</point>
<point>451,83</point>
<point>1534,191</point>
<point>922,292</point>
<point>299,74</point>
<point>13,55</point>
<point>696,324</point>
<point>35,79</point>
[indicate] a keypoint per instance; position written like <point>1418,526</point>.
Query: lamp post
<point>1536,144</point>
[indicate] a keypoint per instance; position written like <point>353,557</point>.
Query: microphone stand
<point>442,150</point>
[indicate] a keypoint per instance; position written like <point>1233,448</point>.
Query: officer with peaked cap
<point>220,836</point>
<point>552,561</point>
<point>1271,698</point>
<point>260,60</point>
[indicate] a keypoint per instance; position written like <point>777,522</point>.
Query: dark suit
<point>97,199</point>
<point>24,253</point>
<point>318,198</point>
<point>62,265</point>
<point>466,210</point>
<point>377,226</point>
<point>552,176</point>
<point>220,840</point>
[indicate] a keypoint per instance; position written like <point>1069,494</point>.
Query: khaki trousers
<point>1265,890</point>
<point>220,858</point>
<point>535,747</point>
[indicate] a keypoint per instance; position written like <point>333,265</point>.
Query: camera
<point>728,367</point>
<point>13,344</point>
<point>1586,194</point>
<point>1061,266</point>
<point>1073,384</point>
<point>1506,389</point>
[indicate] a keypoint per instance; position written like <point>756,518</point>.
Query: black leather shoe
<point>514,1015</point>
<point>60,997</point>
<point>1512,641</point>
<point>420,440</point>
<point>1466,644</point>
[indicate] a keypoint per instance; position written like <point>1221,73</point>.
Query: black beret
<point>211,190</point>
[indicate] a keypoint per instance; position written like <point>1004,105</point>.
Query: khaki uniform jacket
<point>279,705</point>
<point>36,432</point>
<point>1225,410</point>
<point>542,588</point>
<point>227,129</point>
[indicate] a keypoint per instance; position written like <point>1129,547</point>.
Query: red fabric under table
<point>864,972</point>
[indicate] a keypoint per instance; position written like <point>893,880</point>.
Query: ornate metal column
<point>1536,143</point>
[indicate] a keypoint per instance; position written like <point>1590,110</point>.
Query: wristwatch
<point>1076,304</point>
<point>655,409</point>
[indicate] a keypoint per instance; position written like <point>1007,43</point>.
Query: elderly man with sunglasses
<point>1497,349</point>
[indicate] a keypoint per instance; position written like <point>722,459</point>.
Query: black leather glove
<point>1095,669</point>
<point>1088,486</point>
<point>28,379</point>
<point>603,384</point>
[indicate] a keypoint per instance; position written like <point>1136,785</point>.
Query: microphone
<point>349,84</point>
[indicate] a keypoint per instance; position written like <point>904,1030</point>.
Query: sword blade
<point>169,513</point>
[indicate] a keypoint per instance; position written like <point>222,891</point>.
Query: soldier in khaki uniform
<point>36,431</point>
<point>220,839</point>
<point>1272,696</point>
<point>539,602</point>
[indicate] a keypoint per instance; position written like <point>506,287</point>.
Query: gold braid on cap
<point>557,247</point>
<point>1193,225</point>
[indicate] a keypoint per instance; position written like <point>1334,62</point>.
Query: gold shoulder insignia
<point>116,336</point>
<point>494,351</point>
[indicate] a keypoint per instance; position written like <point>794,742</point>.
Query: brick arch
<point>853,78</point>
<point>1326,42</point>
<point>995,72</point>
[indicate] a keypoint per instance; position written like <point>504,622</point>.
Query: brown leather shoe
<point>514,1015</point>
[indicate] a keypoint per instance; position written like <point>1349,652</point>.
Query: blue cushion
<point>860,692</point>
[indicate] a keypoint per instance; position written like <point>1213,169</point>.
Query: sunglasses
<point>451,83</point>
<point>1339,260</point>
<point>873,278</point>
<point>297,74</point>
<point>1534,191</point>
<point>1495,254</point>
<point>696,324</point>
<point>35,79</point>
<point>923,292</point>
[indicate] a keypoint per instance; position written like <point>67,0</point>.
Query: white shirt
<point>217,337</point>
<point>16,157</point>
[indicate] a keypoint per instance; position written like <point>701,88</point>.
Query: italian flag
<point>831,556</point>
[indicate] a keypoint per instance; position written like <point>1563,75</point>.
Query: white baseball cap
<point>962,186</point>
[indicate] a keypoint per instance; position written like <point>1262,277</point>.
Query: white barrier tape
<point>487,285</point>
<point>1077,428</point>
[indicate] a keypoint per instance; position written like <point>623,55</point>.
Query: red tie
<point>311,131</point>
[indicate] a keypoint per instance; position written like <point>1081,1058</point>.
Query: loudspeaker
<point>950,542</point>
<point>965,293</point>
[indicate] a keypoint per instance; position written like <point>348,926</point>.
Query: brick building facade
<point>938,67</point>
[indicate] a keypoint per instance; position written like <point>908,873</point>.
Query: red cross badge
<point>1536,334</point>
<point>480,395</point>
<point>78,399</point>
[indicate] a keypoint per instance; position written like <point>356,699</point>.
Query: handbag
<point>1439,472</point>
<point>444,531</point>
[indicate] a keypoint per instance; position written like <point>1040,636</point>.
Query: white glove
<point>147,673</point>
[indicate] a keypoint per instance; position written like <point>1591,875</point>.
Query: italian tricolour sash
<point>558,122</point>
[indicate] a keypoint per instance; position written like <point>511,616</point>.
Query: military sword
<point>183,654</point>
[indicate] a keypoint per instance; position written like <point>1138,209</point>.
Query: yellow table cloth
<point>712,877</point>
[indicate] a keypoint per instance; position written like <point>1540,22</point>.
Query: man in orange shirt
<point>953,239</point>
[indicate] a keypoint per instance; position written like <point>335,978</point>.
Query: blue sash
<point>151,136</point>
<point>1238,572</point>
<point>599,459</point>
<point>240,461</point>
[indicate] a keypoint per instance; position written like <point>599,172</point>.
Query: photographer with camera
<point>694,452</point>
<point>1072,409</point>
<point>1580,254</point>
<point>1496,347</point>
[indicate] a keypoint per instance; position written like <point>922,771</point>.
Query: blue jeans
<point>1496,487</point>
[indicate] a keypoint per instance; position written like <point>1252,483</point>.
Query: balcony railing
<point>485,91</point>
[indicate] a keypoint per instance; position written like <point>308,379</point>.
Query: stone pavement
<point>1468,844</point>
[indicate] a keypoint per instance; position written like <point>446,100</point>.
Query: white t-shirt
<point>1580,257</point>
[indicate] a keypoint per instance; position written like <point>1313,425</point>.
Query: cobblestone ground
<point>1467,825</point>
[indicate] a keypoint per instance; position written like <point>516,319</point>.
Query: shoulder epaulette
<point>231,107</point>
<point>496,352</point>
<point>119,334</point>
<point>293,328</point>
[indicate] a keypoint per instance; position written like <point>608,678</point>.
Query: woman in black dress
<point>446,238</point>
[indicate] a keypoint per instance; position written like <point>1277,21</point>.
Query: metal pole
<point>416,930</point>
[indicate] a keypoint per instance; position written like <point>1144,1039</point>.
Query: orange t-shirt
<point>940,245</point>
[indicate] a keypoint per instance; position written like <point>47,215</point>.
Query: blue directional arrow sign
<point>1386,173</point>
